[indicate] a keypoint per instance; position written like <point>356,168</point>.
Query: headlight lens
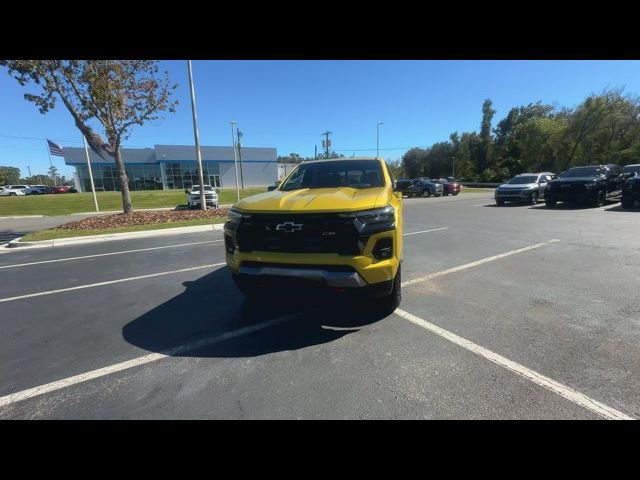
<point>236,215</point>
<point>370,217</point>
<point>380,219</point>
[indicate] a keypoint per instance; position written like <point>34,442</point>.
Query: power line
<point>373,149</point>
<point>37,138</point>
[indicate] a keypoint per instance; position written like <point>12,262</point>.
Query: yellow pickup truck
<point>331,225</point>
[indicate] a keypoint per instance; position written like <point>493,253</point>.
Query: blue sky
<point>288,104</point>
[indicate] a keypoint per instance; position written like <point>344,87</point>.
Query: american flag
<point>55,149</point>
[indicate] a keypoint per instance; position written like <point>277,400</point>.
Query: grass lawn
<point>52,233</point>
<point>66,203</point>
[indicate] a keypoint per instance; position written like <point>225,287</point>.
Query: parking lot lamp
<point>203,199</point>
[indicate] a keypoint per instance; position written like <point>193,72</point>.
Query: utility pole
<point>326,143</point>
<point>235,159</point>
<point>203,198</point>
<point>378,139</point>
<point>315,155</point>
<point>453,173</point>
<point>239,133</point>
<point>29,168</point>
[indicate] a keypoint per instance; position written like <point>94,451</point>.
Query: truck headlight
<point>376,220</point>
<point>236,215</point>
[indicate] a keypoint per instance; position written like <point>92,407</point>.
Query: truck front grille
<point>309,233</point>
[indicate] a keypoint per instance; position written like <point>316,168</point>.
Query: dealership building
<point>174,167</point>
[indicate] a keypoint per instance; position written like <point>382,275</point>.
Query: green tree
<point>483,150</point>
<point>117,94</point>
<point>9,175</point>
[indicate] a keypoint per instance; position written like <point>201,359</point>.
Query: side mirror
<point>270,188</point>
<point>186,190</point>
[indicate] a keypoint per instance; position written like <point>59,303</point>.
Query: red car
<point>61,189</point>
<point>449,188</point>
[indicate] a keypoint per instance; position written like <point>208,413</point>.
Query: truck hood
<point>345,199</point>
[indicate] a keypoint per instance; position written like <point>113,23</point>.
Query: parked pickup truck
<point>423,187</point>
<point>592,184</point>
<point>332,226</point>
<point>194,198</point>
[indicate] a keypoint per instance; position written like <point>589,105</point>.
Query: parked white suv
<point>12,190</point>
<point>210,195</point>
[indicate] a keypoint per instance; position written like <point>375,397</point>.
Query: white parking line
<point>476,263</point>
<point>153,357</point>
<point>537,378</point>
<point>424,231</point>
<point>110,282</point>
<point>107,254</point>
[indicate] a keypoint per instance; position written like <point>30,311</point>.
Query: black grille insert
<point>309,233</point>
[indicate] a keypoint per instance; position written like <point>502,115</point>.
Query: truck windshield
<point>334,174</point>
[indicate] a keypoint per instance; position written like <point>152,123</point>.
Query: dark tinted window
<point>584,172</point>
<point>632,168</point>
<point>339,173</point>
<point>523,180</point>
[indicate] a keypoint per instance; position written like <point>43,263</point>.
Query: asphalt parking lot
<point>514,312</point>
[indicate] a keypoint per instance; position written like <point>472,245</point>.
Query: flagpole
<point>93,189</point>
<point>51,164</point>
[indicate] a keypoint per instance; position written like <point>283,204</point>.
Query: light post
<point>378,138</point>
<point>453,173</point>
<point>203,200</point>
<point>235,158</point>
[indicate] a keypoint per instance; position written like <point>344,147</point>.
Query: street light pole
<point>453,174</point>
<point>203,199</point>
<point>378,138</point>
<point>235,158</point>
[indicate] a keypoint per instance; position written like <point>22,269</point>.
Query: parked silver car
<point>524,188</point>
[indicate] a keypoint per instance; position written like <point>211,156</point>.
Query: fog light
<point>383,248</point>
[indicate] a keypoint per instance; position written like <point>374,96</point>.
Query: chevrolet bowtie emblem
<point>289,227</point>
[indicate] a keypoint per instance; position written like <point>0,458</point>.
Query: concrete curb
<point>22,216</point>
<point>160,209</point>
<point>17,244</point>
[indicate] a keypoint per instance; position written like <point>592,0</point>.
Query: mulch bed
<point>141,218</point>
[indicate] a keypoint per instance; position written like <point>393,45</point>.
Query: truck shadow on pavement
<point>8,235</point>
<point>211,306</point>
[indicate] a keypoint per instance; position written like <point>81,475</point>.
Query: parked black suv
<point>593,184</point>
<point>631,188</point>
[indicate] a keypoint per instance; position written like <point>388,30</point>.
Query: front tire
<point>392,301</point>
<point>599,202</point>
<point>426,193</point>
<point>627,203</point>
<point>534,198</point>
<point>499,202</point>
